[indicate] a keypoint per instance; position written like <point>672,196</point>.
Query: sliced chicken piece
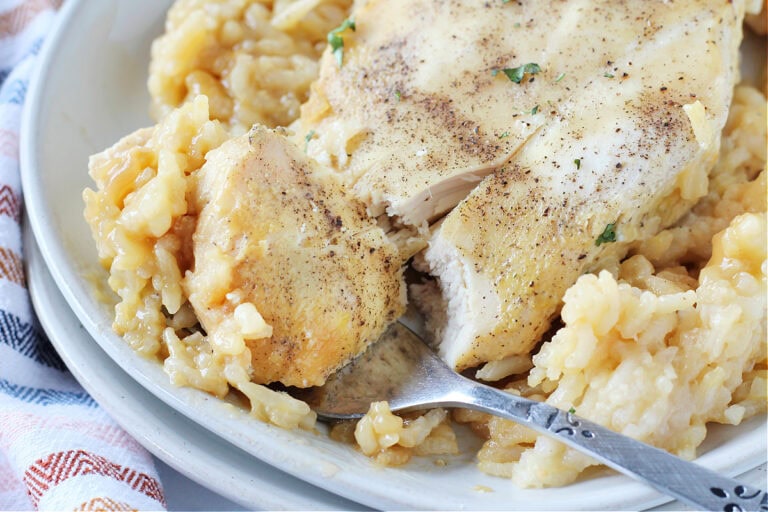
<point>287,264</point>
<point>626,154</point>
<point>420,110</point>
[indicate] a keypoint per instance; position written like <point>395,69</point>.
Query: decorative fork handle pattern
<point>686,481</point>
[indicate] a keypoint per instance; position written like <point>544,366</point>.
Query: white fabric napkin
<point>58,449</point>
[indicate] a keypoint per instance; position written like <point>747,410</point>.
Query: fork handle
<point>686,481</point>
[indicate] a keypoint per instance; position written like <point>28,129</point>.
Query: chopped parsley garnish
<point>572,410</point>
<point>608,235</point>
<point>504,135</point>
<point>535,109</point>
<point>559,77</point>
<point>517,74</point>
<point>578,163</point>
<point>337,42</point>
<point>308,137</point>
<point>608,75</point>
<point>505,1</point>
<point>398,95</point>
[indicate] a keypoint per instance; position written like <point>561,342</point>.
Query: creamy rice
<point>140,220</point>
<point>391,440</point>
<point>253,60</point>
<point>671,339</point>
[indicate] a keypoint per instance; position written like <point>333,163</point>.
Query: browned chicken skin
<point>278,232</point>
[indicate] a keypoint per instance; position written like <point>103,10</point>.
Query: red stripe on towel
<point>50,471</point>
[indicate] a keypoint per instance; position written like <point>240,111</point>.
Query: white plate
<point>90,91</point>
<point>181,443</point>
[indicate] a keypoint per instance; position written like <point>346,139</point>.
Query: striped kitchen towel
<point>58,449</point>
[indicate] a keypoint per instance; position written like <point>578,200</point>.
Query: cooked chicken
<point>623,151</point>
<point>287,262</point>
<point>420,110</point>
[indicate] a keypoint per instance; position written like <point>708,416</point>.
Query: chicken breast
<point>421,109</point>
<point>624,153</point>
<point>287,264</point>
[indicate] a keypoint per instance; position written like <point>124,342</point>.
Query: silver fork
<point>404,371</point>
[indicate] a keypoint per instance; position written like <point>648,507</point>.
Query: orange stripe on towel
<point>104,504</point>
<point>11,267</point>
